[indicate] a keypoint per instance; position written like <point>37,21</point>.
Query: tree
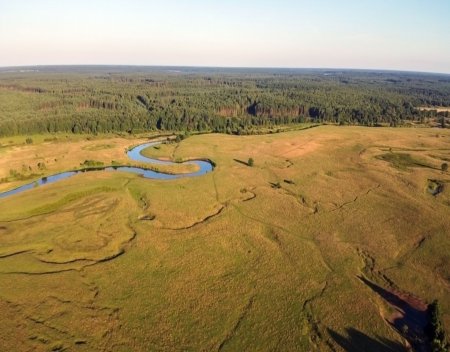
<point>250,162</point>
<point>229,103</point>
<point>435,329</point>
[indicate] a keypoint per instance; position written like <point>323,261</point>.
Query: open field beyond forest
<point>333,241</point>
<point>438,109</point>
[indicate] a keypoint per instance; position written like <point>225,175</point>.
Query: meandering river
<point>135,155</point>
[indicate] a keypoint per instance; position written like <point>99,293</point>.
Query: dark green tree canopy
<point>238,101</point>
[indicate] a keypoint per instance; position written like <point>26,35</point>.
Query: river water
<point>135,155</point>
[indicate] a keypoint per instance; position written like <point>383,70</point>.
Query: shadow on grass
<point>410,318</point>
<point>357,341</point>
<point>241,162</point>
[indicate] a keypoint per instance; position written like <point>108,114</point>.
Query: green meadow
<point>302,251</point>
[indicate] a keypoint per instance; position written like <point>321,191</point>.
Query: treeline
<point>216,100</point>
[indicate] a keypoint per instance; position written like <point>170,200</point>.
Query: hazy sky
<point>389,34</point>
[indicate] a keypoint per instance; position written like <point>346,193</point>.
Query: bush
<point>28,141</point>
<point>250,162</point>
<point>444,167</point>
<point>92,163</point>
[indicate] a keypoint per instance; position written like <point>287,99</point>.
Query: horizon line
<point>231,67</point>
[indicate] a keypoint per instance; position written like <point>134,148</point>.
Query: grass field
<point>437,108</point>
<point>300,252</point>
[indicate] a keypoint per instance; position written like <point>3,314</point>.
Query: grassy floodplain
<point>298,252</point>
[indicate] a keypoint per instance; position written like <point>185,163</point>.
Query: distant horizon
<point>226,67</point>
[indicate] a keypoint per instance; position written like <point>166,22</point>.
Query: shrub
<point>28,141</point>
<point>92,163</point>
<point>250,162</point>
<point>444,167</point>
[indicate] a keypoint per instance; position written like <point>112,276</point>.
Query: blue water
<point>135,155</point>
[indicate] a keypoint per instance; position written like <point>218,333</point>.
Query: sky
<point>379,34</point>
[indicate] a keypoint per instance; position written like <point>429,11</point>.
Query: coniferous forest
<point>99,99</point>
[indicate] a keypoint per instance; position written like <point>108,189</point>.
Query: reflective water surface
<point>135,155</point>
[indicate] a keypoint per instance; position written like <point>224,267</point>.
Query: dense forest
<point>98,99</point>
